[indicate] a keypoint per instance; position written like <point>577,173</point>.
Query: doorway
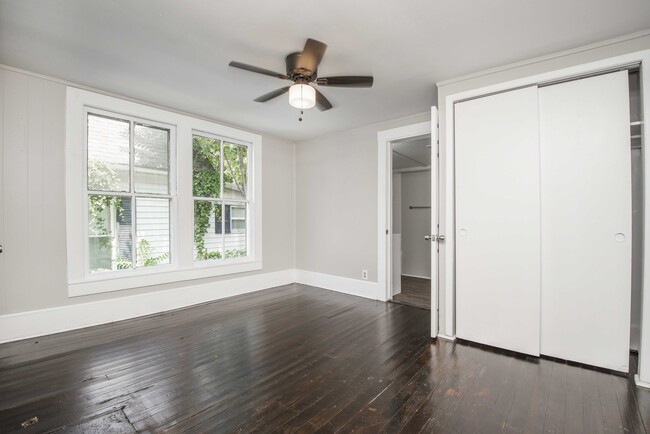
<point>387,280</point>
<point>411,204</point>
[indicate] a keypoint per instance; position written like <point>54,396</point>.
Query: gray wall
<point>416,223</point>
<point>507,73</point>
<point>336,201</point>
<point>32,194</point>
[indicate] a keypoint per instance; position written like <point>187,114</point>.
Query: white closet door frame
<point>448,287</point>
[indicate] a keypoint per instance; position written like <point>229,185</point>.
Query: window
<point>220,188</point>
<point>128,196</point>
<point>153,196</point>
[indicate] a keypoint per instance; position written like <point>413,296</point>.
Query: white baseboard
<point>416,276</point>
<point>360,288</point>
<point>59,319</point>
<point>34,323</point>
<point>447,338</point>
<point>641,383</point>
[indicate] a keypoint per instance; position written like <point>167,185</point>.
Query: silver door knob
<point>427,237</point>
<point>441,238</point>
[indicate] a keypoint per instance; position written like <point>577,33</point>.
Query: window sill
<point>101,285</point>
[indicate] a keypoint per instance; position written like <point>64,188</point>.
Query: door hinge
<point>386,231</point>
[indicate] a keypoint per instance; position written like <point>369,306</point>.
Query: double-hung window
<point>154,196</point>
<point>129,194</point>
<point>220,187</point>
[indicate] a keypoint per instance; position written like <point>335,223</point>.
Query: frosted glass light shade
<point>302,96</point>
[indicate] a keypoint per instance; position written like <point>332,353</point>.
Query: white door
<point>586,220</point>
<point>435,230</point>
<point>498,220</point>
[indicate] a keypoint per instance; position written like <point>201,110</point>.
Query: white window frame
<point>228,201</point>
<point>182,267</point>
<point>171,196</point>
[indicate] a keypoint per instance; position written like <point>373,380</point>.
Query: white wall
<point>416,223</point>
<point>32,113</point>
<point>336,201</point>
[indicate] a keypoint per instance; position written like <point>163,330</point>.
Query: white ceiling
<point>412,152</point>
<point>176,53</point>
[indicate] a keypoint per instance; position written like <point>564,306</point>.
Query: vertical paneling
<point>2,187</point>
<point>33,206</point>
<point>16,250</point>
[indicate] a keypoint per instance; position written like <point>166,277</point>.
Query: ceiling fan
<point>302,69</point>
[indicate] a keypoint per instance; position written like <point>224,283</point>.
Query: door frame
<point>448,282</point>
<point>385,212</point>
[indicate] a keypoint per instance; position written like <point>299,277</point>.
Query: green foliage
<point>103,178</point>
<point>206,182</point>
<point>144,255</point>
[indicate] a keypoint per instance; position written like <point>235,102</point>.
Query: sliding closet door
<point>586,220</point>
<point>498,220</point>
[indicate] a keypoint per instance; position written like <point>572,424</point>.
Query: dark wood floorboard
<point>298,359</point>
<point>415,292</point>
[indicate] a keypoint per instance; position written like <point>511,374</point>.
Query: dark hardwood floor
<point>415,292</point>
<point>299,359</point>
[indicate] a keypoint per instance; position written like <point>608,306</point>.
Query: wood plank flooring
<point>299,359</point>
<point>415,292</point>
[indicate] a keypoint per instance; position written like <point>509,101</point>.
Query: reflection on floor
<point>415,292</point>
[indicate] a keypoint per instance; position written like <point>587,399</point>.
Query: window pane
<point>151,147</point>
<point>208,230</point>
<point>235,241</point>
<point>108,154</point>
<point>109,233</point>
<point>235,164</point>
<point>206,178</point>
<point>152,231</point>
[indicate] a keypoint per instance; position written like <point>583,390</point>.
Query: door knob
<point>428,237</point>
<point>441,238</point>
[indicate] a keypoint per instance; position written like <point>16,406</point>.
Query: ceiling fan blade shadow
<point>346,81</point>
<point>274,94</point>
<point>312,54</point>
<point>263,71</point>
<point>321,102</point>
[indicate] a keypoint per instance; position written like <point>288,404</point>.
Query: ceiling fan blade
<point>251,68</point>
<point>276,93</point>
<point>346,81</point>
<point>321,102</point>
<point>312,54</point>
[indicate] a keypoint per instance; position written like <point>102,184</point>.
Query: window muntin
<point>220,173</point>
<point>128,193</point>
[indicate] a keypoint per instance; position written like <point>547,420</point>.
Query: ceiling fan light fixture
<point>302,96</point>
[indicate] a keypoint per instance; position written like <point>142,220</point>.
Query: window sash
<point>171,196</point>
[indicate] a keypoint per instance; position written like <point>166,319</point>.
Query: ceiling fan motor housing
<point>296,69</point>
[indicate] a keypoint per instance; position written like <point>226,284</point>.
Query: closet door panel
<point>586,220</point>
<point>498,220</point>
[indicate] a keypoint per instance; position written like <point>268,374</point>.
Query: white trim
<point>541,59</point>
<point>446,337</point>
<point>640,383</point>
<point>360,288</point>
<point>384,170</point>
<point>641,56</point>
<point>183,267</point>
<point>59,319</point>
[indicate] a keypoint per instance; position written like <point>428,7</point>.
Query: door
<point>435,227</point>
<point>498,220</point>
<point>586,220</point>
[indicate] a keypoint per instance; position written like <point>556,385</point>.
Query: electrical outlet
<point>364,274</point>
